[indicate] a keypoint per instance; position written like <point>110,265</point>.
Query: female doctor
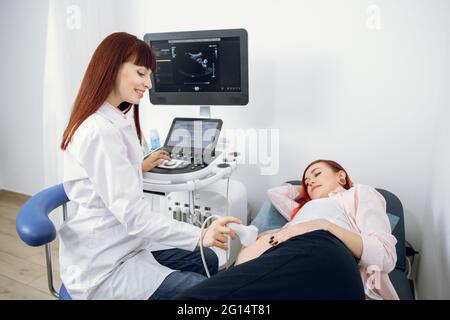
<point>112,247</point>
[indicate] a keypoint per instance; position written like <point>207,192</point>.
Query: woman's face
<point>132,82</point>
<point>320,180</point>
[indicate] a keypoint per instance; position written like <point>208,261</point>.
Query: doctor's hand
<point>155,159</point>
<point>216,234</point>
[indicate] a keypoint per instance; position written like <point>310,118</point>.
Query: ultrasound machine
<point>204,68</point>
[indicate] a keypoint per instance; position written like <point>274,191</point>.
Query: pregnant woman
<point>337,245</point>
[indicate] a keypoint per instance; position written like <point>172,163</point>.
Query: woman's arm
<point>154,160</point>
<point>351,239</point>
<point>103,155</point>
<point>283,198</point>
<point>373,223</point>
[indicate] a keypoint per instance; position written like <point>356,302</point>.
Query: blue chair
<point>269,218</point>
<point>36,229</point>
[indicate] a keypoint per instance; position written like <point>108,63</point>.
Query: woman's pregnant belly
<point>256,249</point>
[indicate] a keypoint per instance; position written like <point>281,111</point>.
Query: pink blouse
<point>365,209</point>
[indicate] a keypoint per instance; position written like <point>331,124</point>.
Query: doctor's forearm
<point>351,239</point>
<point>146,166</point>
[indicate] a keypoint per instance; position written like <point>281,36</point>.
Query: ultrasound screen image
<point>197,65</point>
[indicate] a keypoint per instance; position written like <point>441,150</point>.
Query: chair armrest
<point>32,222</point>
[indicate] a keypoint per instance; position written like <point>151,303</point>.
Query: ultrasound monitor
<point>200,67</point>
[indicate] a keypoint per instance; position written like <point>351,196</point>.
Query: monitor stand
<point>205,112</point>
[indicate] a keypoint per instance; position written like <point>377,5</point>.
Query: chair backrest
<point>394,207</point>
<point>32,223</point>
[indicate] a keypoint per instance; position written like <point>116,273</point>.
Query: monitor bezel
<point>204,98</point>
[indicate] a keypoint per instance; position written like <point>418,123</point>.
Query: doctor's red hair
<point>100,77</point>
<point>336,167</point>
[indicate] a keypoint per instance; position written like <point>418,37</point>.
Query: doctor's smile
<point>140,92</point>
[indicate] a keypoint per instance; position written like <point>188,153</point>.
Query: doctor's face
<point>132,82</point>
<point>321,179</point>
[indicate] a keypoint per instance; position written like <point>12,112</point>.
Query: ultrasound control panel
<point>180,163</point>
<point>174,164</point>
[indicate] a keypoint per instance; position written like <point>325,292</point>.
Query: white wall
<point>23,25</point>
<point>372,100</point>
<point>434,268</point>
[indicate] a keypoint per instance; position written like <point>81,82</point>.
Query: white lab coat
<point>105,248</point>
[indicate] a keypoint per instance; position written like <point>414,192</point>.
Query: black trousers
<point>184,260</point>
<point>314,265</point>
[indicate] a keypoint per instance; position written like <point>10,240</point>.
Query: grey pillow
<point>393,220</point>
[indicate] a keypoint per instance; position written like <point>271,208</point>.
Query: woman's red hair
<point>336,167</point>
<point>100,77</point>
